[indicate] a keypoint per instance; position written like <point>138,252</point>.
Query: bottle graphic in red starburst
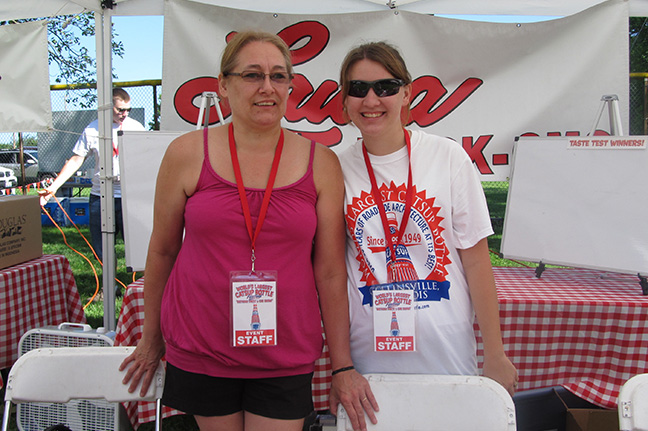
<point>394,330</point>
<point>256,322</point>
<point>401,268</point>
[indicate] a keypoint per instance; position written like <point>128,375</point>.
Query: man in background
<point>87,145</point>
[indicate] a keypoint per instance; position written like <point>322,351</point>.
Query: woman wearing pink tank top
<point>247,249</point>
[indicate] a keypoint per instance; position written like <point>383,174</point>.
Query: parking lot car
<point>7,178</point>
<point>11,159</point>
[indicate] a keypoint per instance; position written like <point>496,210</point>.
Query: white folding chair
<point>415,402</point>
<point>61,374</point>
<point>633,404</point>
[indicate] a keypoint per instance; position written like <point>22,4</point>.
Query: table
<point>128,333</point>
<point>33,294</point>
<point>80,183</point>
<point>582,329</point>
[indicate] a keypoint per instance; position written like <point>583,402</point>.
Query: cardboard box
<point>20,230</point>
<point>592,420</point>
<point>589,419</point>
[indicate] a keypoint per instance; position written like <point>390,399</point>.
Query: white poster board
<point>141,154</point>
<point>579,202</point>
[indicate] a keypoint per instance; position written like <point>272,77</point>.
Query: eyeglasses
<point>382,87</point>
<point>258,77</point>
<point>122,110</point>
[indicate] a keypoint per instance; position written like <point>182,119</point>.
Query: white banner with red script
<point>25,104</point>
<point>481,84</point>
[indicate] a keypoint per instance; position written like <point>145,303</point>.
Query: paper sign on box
<point>20,230</point>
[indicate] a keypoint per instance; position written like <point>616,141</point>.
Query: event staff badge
<point>253,292</point>
<point>254,308</point>
<point>394,318</point>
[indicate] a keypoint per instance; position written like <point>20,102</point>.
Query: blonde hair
<point>229,58</point>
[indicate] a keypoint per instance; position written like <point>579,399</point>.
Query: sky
<point>142,39</point>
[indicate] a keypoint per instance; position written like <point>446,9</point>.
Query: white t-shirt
<point>88,144</point>
<point>449,212</point>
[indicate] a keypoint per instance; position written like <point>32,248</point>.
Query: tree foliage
<point>70,61</point>
<point>638,44</point>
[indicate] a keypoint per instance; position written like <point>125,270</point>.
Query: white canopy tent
<point>18,9</point>
<point>105,9</point>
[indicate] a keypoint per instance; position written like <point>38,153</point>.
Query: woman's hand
<point>353,391</point>
<point>142,364</point>
<point>502,370</point>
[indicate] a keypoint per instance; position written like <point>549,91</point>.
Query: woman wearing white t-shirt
<point>417,223</point>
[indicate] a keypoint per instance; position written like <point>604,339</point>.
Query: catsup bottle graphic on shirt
<point>401,268</point>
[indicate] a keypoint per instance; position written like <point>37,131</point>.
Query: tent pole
<point>103,34</point>
<point>21,160</point>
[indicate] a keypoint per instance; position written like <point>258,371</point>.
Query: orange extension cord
<point>78,252</point>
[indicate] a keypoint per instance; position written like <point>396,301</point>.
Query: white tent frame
<point>18,9</point>
<point>104,10</point>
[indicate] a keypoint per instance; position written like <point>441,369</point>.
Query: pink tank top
<point>195,306</point>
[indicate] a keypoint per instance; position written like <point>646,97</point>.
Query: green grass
<point>496,194</point>
<point>84,266</point>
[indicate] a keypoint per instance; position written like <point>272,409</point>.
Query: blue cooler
<point>52,207</point>
<point>79,211</point>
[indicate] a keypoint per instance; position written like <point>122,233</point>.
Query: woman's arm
<point>176,181</point>
<point>348,387</point>
<point>479,274</point>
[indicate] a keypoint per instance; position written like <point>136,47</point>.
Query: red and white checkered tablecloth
<point>582,329</point>
<point>34,294</point>
<point>128,333</point>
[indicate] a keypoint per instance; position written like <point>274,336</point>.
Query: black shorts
<point>287,397</point>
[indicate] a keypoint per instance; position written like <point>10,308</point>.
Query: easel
<point>612,102</point>
<point>616,129</point>
<point>213,99</point>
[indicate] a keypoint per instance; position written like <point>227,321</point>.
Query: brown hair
<point>234,46</point>
<point>382,53</point>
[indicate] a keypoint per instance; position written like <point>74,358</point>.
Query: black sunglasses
<point>122,110</point>
<point>382,87</point>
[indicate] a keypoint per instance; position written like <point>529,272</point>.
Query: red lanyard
<point>379,202</point>
<point>241,188</point>
<point>115,148</point>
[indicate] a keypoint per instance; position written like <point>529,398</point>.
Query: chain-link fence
<point>56,147</point>
<point>638,103</point>
<point>73,108</point>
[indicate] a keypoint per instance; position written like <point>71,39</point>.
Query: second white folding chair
<point>633,404</point>
<point>415,402</point>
